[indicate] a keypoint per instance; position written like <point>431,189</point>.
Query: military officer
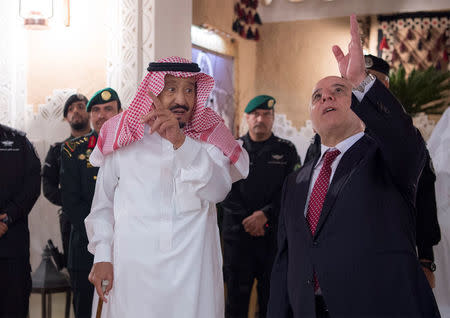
<point>78,178</point>
<point>250,211</point>
<point>20,186</point>
<point>74,112</point>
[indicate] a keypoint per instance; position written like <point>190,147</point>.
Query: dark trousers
<point>15,287</point>
<point>242,264</point>
<point>321,307</point>
<point>65,228</point>
<point>83,291</point>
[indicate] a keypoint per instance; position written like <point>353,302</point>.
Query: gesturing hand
<point>164,122</point>
<point>352,66</point>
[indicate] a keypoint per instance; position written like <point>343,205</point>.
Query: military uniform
<point>78,178</point>
<point>19,189</point>
<point>247,257</point>
<point>52,190</point>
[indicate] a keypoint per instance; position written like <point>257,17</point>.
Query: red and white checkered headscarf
<point>205,124</point>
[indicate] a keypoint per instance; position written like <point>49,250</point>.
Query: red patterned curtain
<point>416,41</point>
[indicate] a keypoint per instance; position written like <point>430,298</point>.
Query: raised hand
<point>164,122</point>
<point>352,66</point>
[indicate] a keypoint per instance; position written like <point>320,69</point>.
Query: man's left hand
<point>254,224</point>
<point>3,226</point>
<point>352,65</point>
<point>164,122</point>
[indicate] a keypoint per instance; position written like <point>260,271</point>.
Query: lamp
<point>36,13</point>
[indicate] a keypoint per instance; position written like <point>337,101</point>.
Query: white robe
<point>154,217</point>
<point>439,147</point>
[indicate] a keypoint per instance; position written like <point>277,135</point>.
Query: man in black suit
<point>428,232</point>
<point>346,243</point>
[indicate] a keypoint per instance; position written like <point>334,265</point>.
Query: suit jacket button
<point>315,244</point>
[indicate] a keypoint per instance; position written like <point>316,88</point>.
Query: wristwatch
<point>362,86</point>
<point>429,265</point>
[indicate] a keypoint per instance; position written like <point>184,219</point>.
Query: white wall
<point>173,19</point>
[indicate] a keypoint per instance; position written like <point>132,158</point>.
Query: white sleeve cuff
<point>102,253</point>
<point>360,95</point>
<point>185,155</point>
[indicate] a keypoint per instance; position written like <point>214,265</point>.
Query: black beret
<point>376,64</point>
<point>103,96</point>
<point>73,99</point>
<point>260,102</point>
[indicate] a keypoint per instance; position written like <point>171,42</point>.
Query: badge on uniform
<point>7,143</point>
<point>81,157</point>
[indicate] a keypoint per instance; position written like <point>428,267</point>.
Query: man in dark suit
<point>346,243</point>
<point>428,232</point>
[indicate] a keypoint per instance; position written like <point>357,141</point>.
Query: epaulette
<point>285,141</point>
<point>13,132</point>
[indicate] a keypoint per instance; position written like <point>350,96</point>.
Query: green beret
<point>103,96</point>
<point>260,102</point>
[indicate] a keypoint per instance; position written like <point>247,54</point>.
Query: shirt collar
<point>343,146</point>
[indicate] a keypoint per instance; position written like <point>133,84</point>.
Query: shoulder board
<point>285,141</point>
<point>13,132</point>
<point>92,142</point>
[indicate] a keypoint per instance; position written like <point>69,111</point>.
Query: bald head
<point>330,110</point>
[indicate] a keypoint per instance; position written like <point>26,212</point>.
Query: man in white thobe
<point>164,164</point>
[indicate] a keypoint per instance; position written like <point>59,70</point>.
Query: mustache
<point>178,107</point>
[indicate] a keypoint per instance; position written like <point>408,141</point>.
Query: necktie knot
<point>330,156</point>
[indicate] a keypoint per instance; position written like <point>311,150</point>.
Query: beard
<point>79,125</point>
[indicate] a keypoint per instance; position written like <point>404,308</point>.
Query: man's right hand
<point>102,271</point>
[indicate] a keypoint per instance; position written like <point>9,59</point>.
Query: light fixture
<point>36,13</point>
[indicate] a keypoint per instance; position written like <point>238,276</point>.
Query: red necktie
<point>317,197</point>
<point>320,190</point>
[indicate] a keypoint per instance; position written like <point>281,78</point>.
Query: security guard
<point>20,186</point>
<point>428,232</point>
<point>250,211</point>
<point>78,178</point>
<point>75,114</point>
